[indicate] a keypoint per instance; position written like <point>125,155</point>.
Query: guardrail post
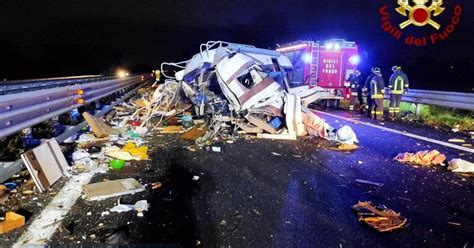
<point>417,109</point>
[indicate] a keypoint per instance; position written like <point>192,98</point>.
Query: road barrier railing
<point>454,100</point>
<point>25,109</point>
<point>17,86</point>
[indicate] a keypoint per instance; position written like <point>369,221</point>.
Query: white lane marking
<point>44,225</point>
<point>462,148</point>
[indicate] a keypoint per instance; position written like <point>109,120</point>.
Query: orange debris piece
<point>381,219</point>
<point>423,158</point>
<point>12,221</point>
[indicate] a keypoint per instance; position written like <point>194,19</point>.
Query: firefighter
<point>376,91</point>
<point>368,105</point>
<point>356,89</point>
<point>398,84</point>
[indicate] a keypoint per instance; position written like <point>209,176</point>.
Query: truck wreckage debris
<point>241,89</point>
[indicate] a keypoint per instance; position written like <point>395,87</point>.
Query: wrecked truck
<point>247,87</point>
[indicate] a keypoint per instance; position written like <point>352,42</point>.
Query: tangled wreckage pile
<point>238,89</point>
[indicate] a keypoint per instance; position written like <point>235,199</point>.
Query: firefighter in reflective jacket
<point>356,89</point>
<point>398,84</point>
<point>376,88</point>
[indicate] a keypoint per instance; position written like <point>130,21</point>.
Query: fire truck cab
<point>323,64</point>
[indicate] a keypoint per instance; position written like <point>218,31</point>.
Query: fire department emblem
<point>419,14</point>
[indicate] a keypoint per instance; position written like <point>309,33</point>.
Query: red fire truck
<point>324,64</point>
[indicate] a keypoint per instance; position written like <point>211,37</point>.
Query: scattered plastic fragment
<point>457,141</point>
<point>156,185</point>
<point>195,178</point>
<point>141,131</point>
<point>369,182</point>
<point>12,221</point>
<point>276,154</point>
<point>117,164</point>
<point>380,218</point>
<point>423,158</point>
<point>119,155</point>
<point>461,166</point>
<point>3,194</point>
<point>345,147</point>
<point>139,206</point>
<point>139,153</point>
<point>80,155</point>
<point>104,190</point>
<point>10,186</point>
<point>346,135</point>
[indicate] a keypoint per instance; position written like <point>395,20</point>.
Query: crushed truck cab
<point>250,88</point>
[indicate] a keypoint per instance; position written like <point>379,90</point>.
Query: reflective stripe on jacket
<point>398,83</point>
<point>377,86</point>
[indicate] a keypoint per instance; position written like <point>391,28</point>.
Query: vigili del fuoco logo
<point>420,14</point>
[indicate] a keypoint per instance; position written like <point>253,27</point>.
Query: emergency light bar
<point>291,48</point>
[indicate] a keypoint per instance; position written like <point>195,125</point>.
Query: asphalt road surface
<point>249,196</point>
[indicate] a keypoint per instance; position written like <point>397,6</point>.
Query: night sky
<point>62,38</point>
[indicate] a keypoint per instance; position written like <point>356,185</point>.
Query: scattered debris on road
<point>380,218</point>
<point>369,182</point>
<point>46,164</point>
<point>347,147</point>
<point>461,166</point>
<point>139,206</point>
<point>422,158</point>
<point>156,185</point>
<point>103,190</point>
<point>12,221</point>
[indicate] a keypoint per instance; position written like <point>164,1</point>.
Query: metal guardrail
<point>16,86</point>
<point>455,100</point>
<point>22,110</point>
<point>8,169</point>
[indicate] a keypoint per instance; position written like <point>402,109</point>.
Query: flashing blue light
<point>354,60</point>
<point>307,58</point>
<point>329,46</point>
